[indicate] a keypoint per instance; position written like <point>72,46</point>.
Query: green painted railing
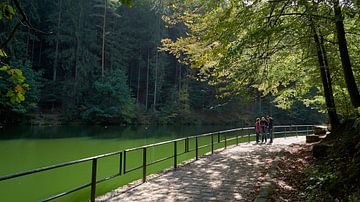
<point>220,137</point>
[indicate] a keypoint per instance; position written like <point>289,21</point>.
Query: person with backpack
<point>270,128</point>
<point>264,126</point>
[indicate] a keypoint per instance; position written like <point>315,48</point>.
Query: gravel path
<point>227,175</point>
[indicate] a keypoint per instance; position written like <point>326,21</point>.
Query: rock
<point>320,130</point>
<point>265,192</point>
<point>321,150</point>
<point>312,138</point>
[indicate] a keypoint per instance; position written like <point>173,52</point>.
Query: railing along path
<point>222,137</point>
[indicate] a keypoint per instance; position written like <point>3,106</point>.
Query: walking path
<point>227,175</point>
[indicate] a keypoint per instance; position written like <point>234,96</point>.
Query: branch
<point>26,20</point>
<point>10,36</point>
<point>353,33</point>
<point>304,14</point>
<point>281,12</point>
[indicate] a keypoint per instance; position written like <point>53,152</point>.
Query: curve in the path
<point>227,175</point>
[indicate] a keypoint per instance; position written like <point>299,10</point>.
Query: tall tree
<point>345,58</point>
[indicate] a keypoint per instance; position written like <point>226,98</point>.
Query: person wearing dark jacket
<point>270,128</point>
<point>264,126</point>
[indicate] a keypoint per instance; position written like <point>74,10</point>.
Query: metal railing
<point>219,137</point>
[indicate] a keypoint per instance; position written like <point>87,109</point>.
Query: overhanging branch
<point>305,14</point>
<point>25,22</point>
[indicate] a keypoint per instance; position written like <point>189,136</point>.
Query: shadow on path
<point>228,175</point>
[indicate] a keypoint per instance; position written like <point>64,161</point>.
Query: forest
<point>169,61</point>
<point>220,63</point>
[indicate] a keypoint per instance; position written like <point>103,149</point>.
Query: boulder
<point>321,150</point>
<point>312,138</point>
<point>320,130</point>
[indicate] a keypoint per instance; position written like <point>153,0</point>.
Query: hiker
<point>270,128</point>
<point>264,126</point>
<point>257,130</point>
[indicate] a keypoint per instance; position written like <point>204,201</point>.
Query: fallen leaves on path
<point>289,182</point>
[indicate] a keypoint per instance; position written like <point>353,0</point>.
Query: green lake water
<point>26,148</point>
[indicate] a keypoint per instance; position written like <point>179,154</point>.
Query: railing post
<point>175,154</point>
<point>249,136</point>
<point>144,164</point>
<point>196,148</point>
<point>218,136</point>
<point>225,141</point>
<point>307,130</point>
<point>93,180</point>
<point>273,133</point>
<point>124,162</point>
<point>313,129</point>
<point>120,163</point>
<point>285,131</point>
<point>237,140</point>
<point>187,144</point>
<point>296,129</point>
<point>212,143</point>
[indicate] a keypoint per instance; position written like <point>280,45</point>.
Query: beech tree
<point>264,45</point>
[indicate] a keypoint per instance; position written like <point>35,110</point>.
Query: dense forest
<point>166,61</point>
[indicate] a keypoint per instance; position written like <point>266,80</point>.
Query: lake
<point>25,148</point>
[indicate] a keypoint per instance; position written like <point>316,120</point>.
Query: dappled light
<point>107,92</point>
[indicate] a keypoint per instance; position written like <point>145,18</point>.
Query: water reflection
<point>101,132</point>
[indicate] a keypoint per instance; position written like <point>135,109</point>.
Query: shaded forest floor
<point>291,181</point>
<point>325,171</point>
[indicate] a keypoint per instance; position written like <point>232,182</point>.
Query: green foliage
<point>111,100</point>
<point>336,172</point>
<point>357,111</point>
<point>2,53</point>
<point>232,45</point>
<point>12,86</point>
<point>64,69</point>
<point>355,197</point>
<point>127,2</point>
<point>325,178</point>
<point>6,11</point>
<point>177,110</point>
<point>17,93</point>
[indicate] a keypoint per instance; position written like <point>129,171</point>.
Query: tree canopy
<point>269,46</point>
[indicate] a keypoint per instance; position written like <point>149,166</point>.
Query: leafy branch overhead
<point>127,2</point>
<point>268,46</point>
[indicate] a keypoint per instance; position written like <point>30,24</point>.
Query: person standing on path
<point>264,125</point>
<point>270,128</point>
<point>257,130</point>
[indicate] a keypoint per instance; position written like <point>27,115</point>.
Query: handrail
<point>57,166</point>
<point>122,156</point>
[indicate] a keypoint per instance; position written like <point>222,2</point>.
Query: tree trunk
<point>40,52</point>
<point>27,43</point>
<point>138,82</point>
<point>147,80</point>
<point>57,41</point>
<point>328,78</point>
<point>156,63</point>
<point>180,79</point>
<point>130,76</point>
<point>32,51</point>
<point>260,104</point>
<point>325,77</point>
<point>156,79</point>
<point>77,53</point>
<point>345,58</point>
<point>103,41</point>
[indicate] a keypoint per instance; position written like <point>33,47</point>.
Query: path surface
<point>227,175</point>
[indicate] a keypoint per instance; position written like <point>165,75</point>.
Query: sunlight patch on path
<point>227,175</point>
